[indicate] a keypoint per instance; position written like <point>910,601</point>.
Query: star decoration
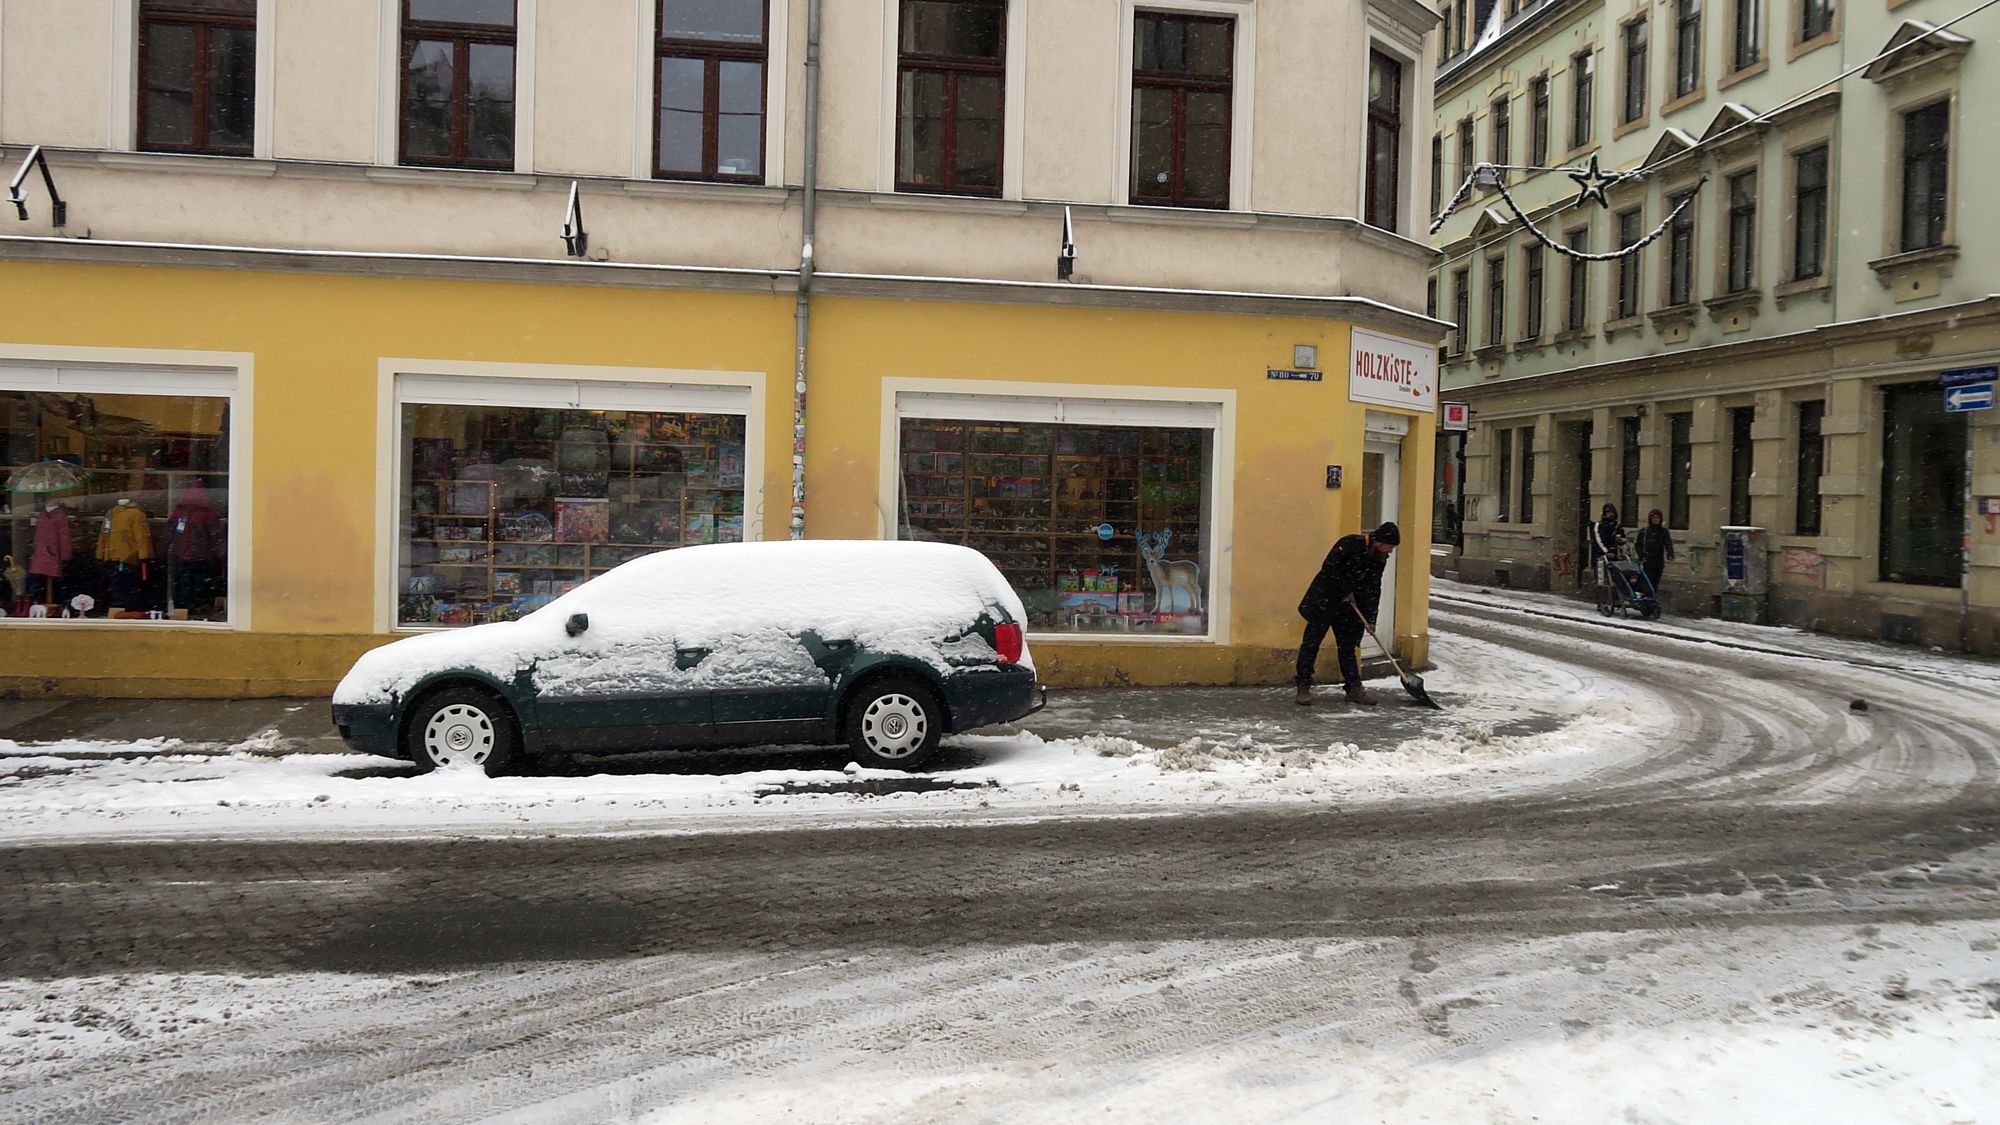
<point>1593,180</point>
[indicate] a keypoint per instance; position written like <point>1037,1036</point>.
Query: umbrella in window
<point>45,476</point>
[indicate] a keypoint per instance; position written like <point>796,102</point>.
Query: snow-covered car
<point>886,646</point>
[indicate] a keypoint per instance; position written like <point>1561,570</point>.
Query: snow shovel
<point>1412,683</point>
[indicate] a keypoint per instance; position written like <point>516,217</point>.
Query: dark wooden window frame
<point>1628,470</point>
<point>1810,200</point>
<point>1687,47</point>
<point>1681,252</point>
<point>1583,95</point>
<point>1181,84</point>
<point>1506,475</point>
<point>1630,274</point>
<point>1526,444</point>
<point>1502,139</point>
<point>1746,47</point>
<point>1538,122</point>
<point>1381,121</point>
<point>1680,467</point>
<point>712,53</point>
<point>1496,300</point>
<point>1577,315</point>
<point>1636,49</point>
<point>462,37</point>
<point>204,24</point>
<point>1928,218</point>
<point>1816,19</point>
<point>1741,271</point>
<point>1807,510</point>
<point>1533,290</point>
<point>1461,310</point>
<point>1742,462</point>
<point>952,67</point>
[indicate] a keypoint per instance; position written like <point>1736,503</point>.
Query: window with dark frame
<point>1583,94</point>
<point>1923,517</point>
<point>1748,49</point>
<point>1506,490</point>
<point>1578,316</point>
<point>1816,19</point>
<point>458,83</point>
<point>1444,37</point>
<point>1503,135</point>
<point>1182,70</point>
<point>1811,463</point>
<point>1437,172</point>
<point>951,96</point>
<point>1687,47</point>
<point>1680,251</point>
<point>1634,106</point>
<point>1465,157</point>
<point>1527,474</point>
<point>1742,462</point>
<point>1926,169</point>
<point>1496,300</point>
<point>1742,232</point>
<point>1628,266</point>
<point>1538,123</point>
<point>1461,310</point>
<point>1385,140</point>
<point>1531,308</point>
<point>198,76</point>
<point>1628,470</point>
<point>1809,170</point>
<point>709,90</point>
<point>1680,468</point>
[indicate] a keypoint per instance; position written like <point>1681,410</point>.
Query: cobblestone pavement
<point>1770,803</point>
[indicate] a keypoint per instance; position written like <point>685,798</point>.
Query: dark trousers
<point>1346,642</point>
<point>1654,568</point>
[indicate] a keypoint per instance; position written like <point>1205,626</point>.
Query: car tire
<point>894,724</point>
<point>462,725</point>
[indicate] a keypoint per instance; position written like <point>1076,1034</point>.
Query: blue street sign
<point>1985,373</point>
<point>1969,396</point>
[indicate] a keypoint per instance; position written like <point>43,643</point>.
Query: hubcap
<point>459,733</point>
<point>894,726</point>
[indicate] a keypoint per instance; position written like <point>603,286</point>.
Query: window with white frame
<point>1100,513</point>
<point>117,492</point>
<point>514,491</point>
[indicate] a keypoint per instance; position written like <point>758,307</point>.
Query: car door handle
<point>686,658</point>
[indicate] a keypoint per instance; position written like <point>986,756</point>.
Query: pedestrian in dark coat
<point>1605,536</point>
<point>1352,570</point>
<point>1655,546</point>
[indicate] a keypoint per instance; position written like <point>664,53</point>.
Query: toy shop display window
<point>505,508</point>
<point>117,506</point>
<point>1100,529</point>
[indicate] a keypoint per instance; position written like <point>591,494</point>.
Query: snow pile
<point>745,602</point>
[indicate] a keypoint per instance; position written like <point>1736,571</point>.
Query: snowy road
<point>1744,901</point>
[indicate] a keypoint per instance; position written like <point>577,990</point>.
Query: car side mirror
<point>576,624</point>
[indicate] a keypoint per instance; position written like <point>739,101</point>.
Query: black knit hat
<point>1387,533</point>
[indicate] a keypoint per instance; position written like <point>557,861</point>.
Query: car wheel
<point>895,724</point>
<point>461,726</point>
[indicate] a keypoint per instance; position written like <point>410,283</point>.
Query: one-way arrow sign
<point>1969,396</point>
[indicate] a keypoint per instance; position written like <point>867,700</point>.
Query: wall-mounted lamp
<point>576,241</point>
<point>1066,257</point>
<point>58,210</point>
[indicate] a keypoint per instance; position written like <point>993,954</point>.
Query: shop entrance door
<point>1381,492</point>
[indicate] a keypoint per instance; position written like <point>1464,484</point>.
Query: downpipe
<point>802,312</point>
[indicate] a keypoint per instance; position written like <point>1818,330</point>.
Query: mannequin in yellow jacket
<point>126,542</point>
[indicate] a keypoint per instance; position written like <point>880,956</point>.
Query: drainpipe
<point>803,311</point>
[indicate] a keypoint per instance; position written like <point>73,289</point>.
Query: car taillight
<point>1007,639</point>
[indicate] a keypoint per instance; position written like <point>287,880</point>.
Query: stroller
<point>1623,588</point>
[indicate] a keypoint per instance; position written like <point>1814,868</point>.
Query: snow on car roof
<point>745,601</point>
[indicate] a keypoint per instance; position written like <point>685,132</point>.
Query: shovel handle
<point>1356,607</point>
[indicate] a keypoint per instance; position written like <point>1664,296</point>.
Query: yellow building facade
<point>337,384</point>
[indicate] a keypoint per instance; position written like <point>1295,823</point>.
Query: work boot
<point>1360,695</point>
<point>1305,696</point>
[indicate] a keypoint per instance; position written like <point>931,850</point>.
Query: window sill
<point>1931,257</point>
<point>1533,345</point>
<point>1692,97</point>
<point>1573,336</point>
<point>1579,152</point>
<point>1683,314</point>
<point>1613,328</point>
<point>1760,67</point>
<point>1628,128</point>
<point>1820,287</point>
<point>1490,353</point>
<point>1801,48</point>
<point>1734,302</point>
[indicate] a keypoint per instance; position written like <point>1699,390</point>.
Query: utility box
<point>1746,574</point>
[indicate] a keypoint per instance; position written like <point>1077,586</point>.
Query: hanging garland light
<point>1592,182</point>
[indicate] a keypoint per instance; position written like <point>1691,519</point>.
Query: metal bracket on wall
<point>59,209</point>
<point>575,240</point>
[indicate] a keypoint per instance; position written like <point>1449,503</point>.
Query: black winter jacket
<point>1350,569</point>
<point>1655,545</point>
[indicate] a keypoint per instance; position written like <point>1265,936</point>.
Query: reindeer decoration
<point>1176,584</point>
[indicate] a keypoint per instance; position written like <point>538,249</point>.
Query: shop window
<point>1742,232</point>
<point>1628,470</point>
<point>1527,474</point>
<point>1680,468</point>
<point>117,504</point>
<point>458,83</point>
<point>950,87</point>
<point>1809,214</point>
<point>1628,266</point>
<point>708,90</point>
<point>1634,106</point>
<point>1182,70</point>
<point>1680,251</point>
<point>1742,463</point>
<point>506,507</point>
<point>1538,123</point>
<point>1583,92</point>
<point>1923,487</point>
<point>1100,528</point>
<point>1385,140</point>
<point>1506,489</point>
<point>1926,168</point>
<point>1687,47</point>
<point>1577,316</point>
<point>1812,463</point>
<point>197,75</point>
